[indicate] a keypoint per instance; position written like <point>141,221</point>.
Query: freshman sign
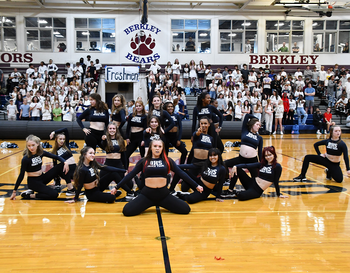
<point>122,73</point>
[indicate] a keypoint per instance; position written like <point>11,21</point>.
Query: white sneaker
<point>318,132</point>
<point>281,133</point>
<point>274,133</point>
<point>325,132</point>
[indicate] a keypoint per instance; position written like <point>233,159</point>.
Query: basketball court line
<point>163,240</point>
<point>11,154</point>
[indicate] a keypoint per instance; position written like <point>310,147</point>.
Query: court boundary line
<point>163,241</point>
<point>11,154</point>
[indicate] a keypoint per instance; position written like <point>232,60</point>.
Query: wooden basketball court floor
<point>307,232</point>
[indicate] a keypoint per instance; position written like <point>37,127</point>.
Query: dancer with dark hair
<point>118,111</point>
<point>154,131</point>
<point>157,110</point>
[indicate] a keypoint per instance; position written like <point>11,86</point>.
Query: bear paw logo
<point>142,46</point>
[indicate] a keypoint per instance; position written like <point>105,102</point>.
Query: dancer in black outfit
<point>212,175</point>
<point>86,175</point>
<point>174,136</point>
<point>118,112</point>
<point>156,166</point>
<point>251,148</point>
<point>36,179</point>
<point>157,110</point>
<point>98,116</point>
<point>154,131</point>
<point>269,173</point>
<point>335,147</point>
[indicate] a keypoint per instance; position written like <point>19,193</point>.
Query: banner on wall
<point>283,59</point>
<point>122,73</point>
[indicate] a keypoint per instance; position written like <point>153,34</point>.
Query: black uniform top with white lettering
<point>62,152</point>
<point>91,114</point>
<point>116,149</point>
<point>147,138</point>
<point>156,168</point>
<point>34,164</point>
<point>120,117</point>
<point>207,111</point>
<point>213,175</point>
<point>178,123</point>
<point>88,175</point>
<point>203,141</point>
<point>250,139</point>
<point>135,121</point>
<point>334,147</point>
<point>162,119</point>
<point>266,172</point>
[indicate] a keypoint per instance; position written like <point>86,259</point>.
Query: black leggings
<point>334,170</point>
<point>172,139</point>
<point>70,173</point>
<point>94,138</point>
<point>117,163</point>
<point>135,141</point>
<point>38,184</point>
<point>252,189</point>
<point>219,144</point>
<point>196,196</point>
<point>96,195</point>
<point>239,160</point>
<point>150,197</point>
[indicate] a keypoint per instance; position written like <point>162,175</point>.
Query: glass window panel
<point>45,40</point>
<point>237,25</point>
<point>251,24</point>
<point>108,40</point>
<point>344,39</point>
<point>237,42</point>
<point>344,25</point>
<point>190,24</point>
<point>224,24</point>
<point>45,22</point>
<point>331,25</point>
<point>94,23</point>
<point>10,43</point>
<point>297,42</point>
<point>190,41</point>
<point>177,24</point>
<point>32,40</point>
<point>330,42</point>
<point>271,25</point>
<point>60,40</point>
<point>318,42</point>
<point>82,40</point>
<point>252,39</point>
<point>80,22</point>
<point>283,37</point>
<point>178,41</point>
<point>203,41</point>
<point>108,23</point>
<point>271,42</point>
<point>94,38</point>
<point>225,42</point>
<point>317,25</point>
<point>203,24</point>
<point>31,22</point>
<point>1,39</point>
<point>284,25</point>
<point>9,21</point>
<point>59,22</point>
<point>298,25</point>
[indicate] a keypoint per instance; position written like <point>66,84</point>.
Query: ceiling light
<point>203,34</point>
<point>246,24</point>
<point>42,22</point>
<point>85,33</point>
<point>232,34</point>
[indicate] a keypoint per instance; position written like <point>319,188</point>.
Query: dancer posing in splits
<point>202,143</point>
<point>157,110</point>
<point>212,175</point>
<point>155,167</point>
<point>113,144</point>
<point>251,148</point>
<point>36,179</point>
<point>87,175</point>
<point>153,131</point>
<point>118,111</point>
<point>335,147</point>
<point>174,136</point>
<point>269,173</point>
<point>98,116</point>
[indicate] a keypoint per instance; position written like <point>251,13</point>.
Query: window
<point>46,34</point>
<point>191,35</point>
<point>285,36</point>
<point>238,36</point>
<point>324,36</point>
<point>95,34</point>
<point>344,36</point>
<point>8,40</point>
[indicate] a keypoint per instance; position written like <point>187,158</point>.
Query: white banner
<point>122,73</point>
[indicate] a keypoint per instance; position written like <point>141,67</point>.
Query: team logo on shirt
<point>98,114</point>
<point>156,164</point>
<point>156,113</point>
<point>267,170</point>
<point>210,172</point>
<point>251,135</point>
<point>36,161</point>
<point>61,151</point>
<point>92,172</point>
<point>115,142</point>
<point>136,119</point>
<point>206,139</point>
<point>332,146</point>
<point>174,118</point>
<point>204,111</point>
<point>155,137</point>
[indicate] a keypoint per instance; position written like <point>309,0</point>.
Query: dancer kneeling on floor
<point>212,176</point>
<point>37,179</point>
<point>269,173</point>
<point>335,147</point>
<point>86,175</point>
<point>155,167</point>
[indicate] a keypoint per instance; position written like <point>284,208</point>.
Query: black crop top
<point>208,111</point>
<point>156,168</point>
<point>135,121</point>
<point>62,152</point>
<point>120,117</point>
<point>178,123</point>
<point>266,173</point>
<point>162,118</point>
<point>203,141</point>
<point>116,149</point>
<point>91,114</point>
<point>34,164</point>
<point>250,139</point>
<point>88,175</point>
<point>147,138</point>
<point>334,148</point>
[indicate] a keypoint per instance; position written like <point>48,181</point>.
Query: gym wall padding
<point>21,129</point>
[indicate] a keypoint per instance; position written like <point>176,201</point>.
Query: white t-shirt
<point>35,111</point>
<point>12,110</point>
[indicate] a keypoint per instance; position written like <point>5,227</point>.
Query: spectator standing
<point>46,112</point>
<point>11,111</point>
<point>35,108</point>
<point>57,112</point>
<point>309,98</point>
<point>25,113</point>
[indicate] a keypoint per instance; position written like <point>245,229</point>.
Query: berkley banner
<point>283,59</point>
<point>122,73</point>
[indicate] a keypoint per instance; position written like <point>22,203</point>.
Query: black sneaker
<point>118,193</point>
<point>130,196</point>
<point>299,178</point>
<point>29,191</point>
<point>70,192</point>
<point>328,177</point>
<point>58,188</point>
<point>227,182</point>
<point>25,195</point>
<point>181,195</point>
<point>228,193</point>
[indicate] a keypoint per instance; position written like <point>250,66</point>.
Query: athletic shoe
<point>318,132</point>
<point>118,193</point>
<point>29,191</point>
<point>70,192</point>
<point>281,133</point>
<point>325,132</point>
<point>228,193</point>
<point>25,195</point>
<point>327,174</point>
<point>130,196</point>
<point>173,192</point>
<point>227,182</point>
<point>181,195</point>
<point>299,178</point>
<point>274,133</point>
